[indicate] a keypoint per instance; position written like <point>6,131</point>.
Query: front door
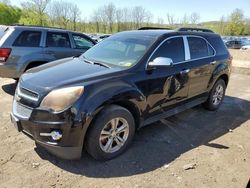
<point>165,86</point>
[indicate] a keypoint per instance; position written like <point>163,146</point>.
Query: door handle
<point>213,63</point>
<point>185,71</point>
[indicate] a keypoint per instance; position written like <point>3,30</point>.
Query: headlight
<point>60,99</point>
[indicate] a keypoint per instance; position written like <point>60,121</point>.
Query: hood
<point>62,72</point>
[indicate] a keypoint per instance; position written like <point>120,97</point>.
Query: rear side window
<point>199,48</point>
<point>59,40</point>
<point>218,45</point>
<point>172,48</point>
<point>28,39</point>
<point>82,42</point>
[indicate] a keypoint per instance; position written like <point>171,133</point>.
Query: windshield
<point>123,51</point>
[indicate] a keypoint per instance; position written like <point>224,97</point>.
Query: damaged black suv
<point>131,79</point>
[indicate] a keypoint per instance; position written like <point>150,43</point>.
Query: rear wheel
<point>111,133</point>
<point>216,96</point>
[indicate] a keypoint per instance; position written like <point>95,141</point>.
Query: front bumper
<point>68,147</point>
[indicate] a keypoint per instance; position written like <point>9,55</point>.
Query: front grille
<point>21,111</point>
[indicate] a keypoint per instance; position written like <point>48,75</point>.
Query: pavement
<point>196,148</point>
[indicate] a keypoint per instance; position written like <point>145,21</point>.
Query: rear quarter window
<point>199,48</point>
<point>28,39</point>
<point>218,45</point>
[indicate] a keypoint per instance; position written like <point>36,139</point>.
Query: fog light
<point>55,134</point>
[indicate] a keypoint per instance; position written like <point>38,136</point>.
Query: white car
<point>246,47</point>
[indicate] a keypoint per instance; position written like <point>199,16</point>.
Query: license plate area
<point>15,121</point>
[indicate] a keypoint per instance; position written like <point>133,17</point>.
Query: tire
<point>213,102</point>
<point>101,134</point>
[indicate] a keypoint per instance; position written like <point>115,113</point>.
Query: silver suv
<point>25,47</point>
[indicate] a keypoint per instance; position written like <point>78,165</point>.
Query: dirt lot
<point>196,148</point>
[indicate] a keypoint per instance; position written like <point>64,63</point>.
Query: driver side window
<point>172,48</point>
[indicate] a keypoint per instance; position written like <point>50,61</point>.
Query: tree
<point>185,20</point>
<point>62,13</point>
<point>7,2</point>
<point>236,23</point>
<point>160,21</point>
<point>96,20</point>
<point>247,27</point>
<point>171,19</point>
<point>139,16</point>
<point>109,11</point>
<point>75,15</point>
<point>35,11</point>
<point>118,15</point>
<point>194,18</point>
<point>8,14</point>
<point>222,25</point>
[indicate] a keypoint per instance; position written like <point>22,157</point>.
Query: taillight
<point>4,54</point>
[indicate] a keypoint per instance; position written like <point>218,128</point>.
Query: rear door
<point>58,45</point>
<point>201,63</point>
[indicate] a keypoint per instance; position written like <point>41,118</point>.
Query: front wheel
<point>111,133</point>
<point>216,95</point>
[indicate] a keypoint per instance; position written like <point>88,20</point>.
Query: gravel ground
<point>195,148</point>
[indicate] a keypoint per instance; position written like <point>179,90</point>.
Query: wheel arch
<point>222,71</point>
<point>33,64</point>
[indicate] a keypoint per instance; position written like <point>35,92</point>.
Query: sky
<point>209,10</point>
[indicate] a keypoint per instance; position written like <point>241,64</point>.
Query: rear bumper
<point>9,71</point>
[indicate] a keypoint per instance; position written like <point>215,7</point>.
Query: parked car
<point>99,38</point>
<point>25,47</point>
<point>236,44</point>
<point>131,79</point>
<point>246,47</point>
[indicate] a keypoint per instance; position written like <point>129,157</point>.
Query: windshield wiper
<point>95,63</point>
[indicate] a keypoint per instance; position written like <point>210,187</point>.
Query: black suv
<point>125,82</point>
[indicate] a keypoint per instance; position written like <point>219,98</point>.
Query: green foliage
<point>236,23</point>
<point>30,17</point>
<point>8,14</point>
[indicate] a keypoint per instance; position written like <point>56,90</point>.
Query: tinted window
<point>28,39</point>
<point>60,40</point>
<point>218,45</point>
<point>172,48</point>
<point>199,48</point>
<point>82,42</point>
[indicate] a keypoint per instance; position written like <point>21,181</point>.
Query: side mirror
<point>161,62</point>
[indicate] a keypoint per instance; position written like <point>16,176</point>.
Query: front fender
<point>107,93</point>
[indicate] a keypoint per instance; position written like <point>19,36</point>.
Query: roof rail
<point>154,28</point>
<point>194,29</point>
<point>36,26</point>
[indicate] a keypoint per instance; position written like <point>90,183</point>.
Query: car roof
<point>156,33</point>
<point>42,28</point>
